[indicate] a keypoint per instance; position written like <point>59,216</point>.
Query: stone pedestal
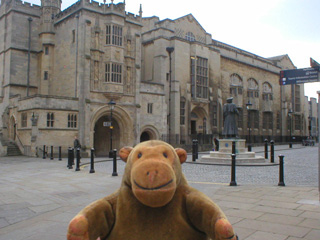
<point>223,156</point>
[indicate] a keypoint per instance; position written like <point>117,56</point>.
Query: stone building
<point>114,78</point>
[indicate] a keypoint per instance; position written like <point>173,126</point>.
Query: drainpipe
<point>170,50</point>
<point>77,40</point>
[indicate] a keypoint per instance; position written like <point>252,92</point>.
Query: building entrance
<point>102,136</point>
<point>144,137</point>
<point>193,127</point>
<point>12,129</point>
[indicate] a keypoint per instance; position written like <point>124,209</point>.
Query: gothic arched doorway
<point>144,137</point>
<point>102,136</point>
<point>149,133</point>
<point>12,128</point>
<point>198,121</point>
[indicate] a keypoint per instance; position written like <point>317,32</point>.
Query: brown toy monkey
<point>154,202</point>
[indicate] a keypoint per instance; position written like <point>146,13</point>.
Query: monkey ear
<point>124,153</point>
<point>182,154</point>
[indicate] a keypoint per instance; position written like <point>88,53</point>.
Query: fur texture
<point>154,202</point>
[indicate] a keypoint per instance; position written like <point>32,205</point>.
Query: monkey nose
<point>152,174</point>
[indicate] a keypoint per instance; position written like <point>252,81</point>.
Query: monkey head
<point>153,171</point>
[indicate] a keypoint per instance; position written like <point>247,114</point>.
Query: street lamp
<point>169,50</point>
<point>112,105</point>
<point>249,104</point>
<point>290,140</point>
<point>309,125</point>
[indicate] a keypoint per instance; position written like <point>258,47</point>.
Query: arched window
<point>267,94</point>
<point>190,37</point>
<point>235,85</point>
<point>253,88</point>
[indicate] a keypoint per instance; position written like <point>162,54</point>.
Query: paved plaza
<point>38,197</point>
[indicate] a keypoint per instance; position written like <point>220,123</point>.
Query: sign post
<point>299,76</point>
<point>107,124</point>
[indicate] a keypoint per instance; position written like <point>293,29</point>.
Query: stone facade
<point>59,70</point>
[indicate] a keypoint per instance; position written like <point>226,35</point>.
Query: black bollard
<point>72,156</point>
<point>249,148</point>
<point>44,152</point>
<point>233,147</point>
<point>197,149</point>
<point>194,150</point>
<point>266,149</point>
<point>92,161</point>
<point>78,160</point>
<point>114,163</point>
<point>51,154</point>
<point>60,153</point>
<point>233,170</point>
<point>281,171</point>
<point>272,151</point>
<point>70,153</point>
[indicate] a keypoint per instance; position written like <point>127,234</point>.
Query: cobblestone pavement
<point>38,197</point>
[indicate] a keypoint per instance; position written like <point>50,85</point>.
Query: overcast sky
<point>264,27</point>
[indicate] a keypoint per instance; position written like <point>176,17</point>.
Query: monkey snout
<point>152,175</point>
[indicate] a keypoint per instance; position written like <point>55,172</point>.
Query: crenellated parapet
<point>133,17</point>
<point>97,7</point>
<point>73,8</point>
<point>20,6</point>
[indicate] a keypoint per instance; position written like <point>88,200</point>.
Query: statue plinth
<point>223,156</point>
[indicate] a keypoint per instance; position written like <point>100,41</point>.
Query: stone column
<point>34,134</point>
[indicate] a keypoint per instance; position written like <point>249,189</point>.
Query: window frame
<point>199,77</point>
<point>236,87</point>
<point>240,118</point>
<point>113,73</point>
<point>72,120</point>
<point>182,112</point>
<point>50,119</point>
<point>267,122</point>
<point>46,75</point>
<point>150,108</point>
<point>24,119</point>
<point>114,35</point>
<point>190,37</point>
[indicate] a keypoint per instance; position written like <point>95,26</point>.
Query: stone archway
<point>122,133</point>
<point>102,136</point>
<point>198,121</point>
<point>145,137</point>
<point>149,133</point>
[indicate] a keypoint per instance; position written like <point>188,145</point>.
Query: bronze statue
<point>230,129</point>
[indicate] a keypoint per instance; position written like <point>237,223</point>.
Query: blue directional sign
<point>298,76</point>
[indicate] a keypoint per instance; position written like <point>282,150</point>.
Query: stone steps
<point>13,149</point>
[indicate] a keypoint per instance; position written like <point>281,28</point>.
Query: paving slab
<point>282,229</point>
<point>259,235</point>
<point>313,235</point>
<point>278,218</point>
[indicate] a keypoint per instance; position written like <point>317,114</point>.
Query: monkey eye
<point>139,155</point>
<point>165,155</point>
